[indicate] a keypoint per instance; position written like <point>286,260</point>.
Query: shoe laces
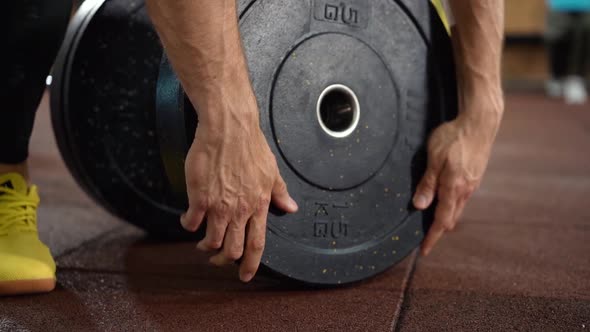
<point>18,211</point>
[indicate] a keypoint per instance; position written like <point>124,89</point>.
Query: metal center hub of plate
<point>338,110</point>
<point>321,76</point>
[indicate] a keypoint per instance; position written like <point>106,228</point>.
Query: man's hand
<point>458,151</point>
<point>458,154</point>
<point>232,176</point>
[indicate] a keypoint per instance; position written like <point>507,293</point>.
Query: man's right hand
<point>232,177</point>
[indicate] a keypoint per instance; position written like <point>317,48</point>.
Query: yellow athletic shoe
<point>26,265</point>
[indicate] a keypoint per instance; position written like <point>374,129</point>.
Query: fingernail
<point>247,277</point>
<point>200,246</point>
<point>215,260</point>
<point>420,201</point>
<point>184,222</point>
<point>293,204</point>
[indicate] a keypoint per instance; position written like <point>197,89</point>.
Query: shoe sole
<point>20,287</point>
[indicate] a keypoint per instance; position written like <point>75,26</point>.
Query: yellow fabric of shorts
<point>441,12</point>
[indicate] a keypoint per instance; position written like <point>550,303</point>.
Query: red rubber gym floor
<point>520,259</point>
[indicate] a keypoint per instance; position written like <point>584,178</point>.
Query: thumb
<point>281,198</point>
<point>426,189</point>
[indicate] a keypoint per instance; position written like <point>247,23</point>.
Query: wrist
<point>482,100</point>
<point>481,114</point>
<point>225,104</point>
<point>228,125</point>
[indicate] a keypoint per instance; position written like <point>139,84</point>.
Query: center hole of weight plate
<point>338,110</point>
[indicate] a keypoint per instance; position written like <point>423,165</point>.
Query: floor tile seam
<point>406,283</point>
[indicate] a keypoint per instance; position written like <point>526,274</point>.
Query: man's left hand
<point>458,154</point>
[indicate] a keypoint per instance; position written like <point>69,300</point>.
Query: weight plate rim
<point>60,110</point>
<point>59,92</point>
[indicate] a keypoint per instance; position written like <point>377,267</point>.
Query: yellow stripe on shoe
<point>26,264</point>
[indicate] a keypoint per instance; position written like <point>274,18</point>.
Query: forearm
<point>202,41</point>
<point>477,42</point>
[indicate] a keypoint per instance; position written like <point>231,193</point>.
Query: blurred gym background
<point>548,47</point>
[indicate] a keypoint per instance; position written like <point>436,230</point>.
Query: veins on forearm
<point>202,41</point>
<point>477,42</point>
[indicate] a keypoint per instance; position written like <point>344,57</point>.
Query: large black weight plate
<point>354,192</point>
<point>103,112</point>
